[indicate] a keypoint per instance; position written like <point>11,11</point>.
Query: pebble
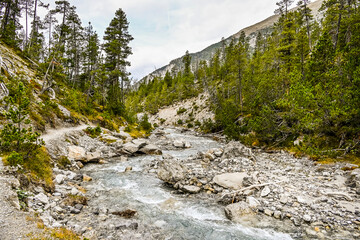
<point>266,191</point>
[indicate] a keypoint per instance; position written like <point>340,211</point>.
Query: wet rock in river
<point>171,171</point>
<point>237,210</point>
<point>191,189</point>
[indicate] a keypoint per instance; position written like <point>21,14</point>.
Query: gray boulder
<point>151,149</point>
<point>171,171</point>
<point>130,148</point>
<point>230,180</point>
<point>191,189</point>
<point>76,153</point>
<point>237,210</point>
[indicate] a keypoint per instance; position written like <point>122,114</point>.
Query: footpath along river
<point>161,213</point>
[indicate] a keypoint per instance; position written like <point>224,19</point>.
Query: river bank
<point>116,188</point>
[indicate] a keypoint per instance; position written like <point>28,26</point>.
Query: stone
<point>41,197</point>
<point>237,210</point>
<point>139,143</point>
<point>79,206</point>
<point>58,209</point>
<point>128,169</point>
<point>283,199</point>
<point>76,153</point>
<point>191,189</point>
<point>59,179</point>
<point>123,135</point>
<point>253,202</point>
<point>268,212</point>
<point>151,149</point>
<point>108,138</point>
<point>130,148</point>
<point>160,223</point>
<point>307,218</point>
<point>218,152</point>
<point>64,111</point>
<point>74,191</point>
<point>210,156</point>
<point>74,210</point>
<point>179,144</point>
<point>87,178</point>
<point>79,164</point>
<point>230,180</point>
<point>170,171</point>
<point>266,191</point>
<point>13,199</point>
<point>93,157</point>
<point>187,145</point>
<point>277,214</point>
<point>248,181</point>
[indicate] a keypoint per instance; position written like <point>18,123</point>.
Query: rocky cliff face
<point>264,26</point>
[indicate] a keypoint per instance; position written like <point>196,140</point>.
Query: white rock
<point>74,191</point>
<point>179,144</point>
<point>93,156</point>
<point>266,191</point>
<point>187,145</point>
<point>230,180</point>
<point>59,179</point>
<point>253,202</point>
<point>130,148</point>
<point>283,199</point>
<point>76,152</point>
<point>139,143</point>
<point>41,197</point>
<point>307,218</point>
<point>191,189</point>
<point>210,156</point>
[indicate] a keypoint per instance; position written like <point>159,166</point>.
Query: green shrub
<point>64,162</point>
<point>15,159</point>
<point>93,132</point>
<point>145,124</point>
<point>180,122</point>
<point>190,125</point>
<point>181,111</point>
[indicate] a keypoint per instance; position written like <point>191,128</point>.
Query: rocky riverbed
<point>180,185</point>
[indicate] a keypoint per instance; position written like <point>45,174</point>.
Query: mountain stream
<point>175,216</point>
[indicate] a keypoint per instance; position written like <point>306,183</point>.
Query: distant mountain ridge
<point>207,53</point>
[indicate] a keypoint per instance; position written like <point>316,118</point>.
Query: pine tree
<point>116,46</point>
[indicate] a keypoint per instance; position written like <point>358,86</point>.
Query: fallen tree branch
<point>251,187</point>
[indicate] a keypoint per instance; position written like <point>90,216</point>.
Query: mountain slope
<point>206,54</point>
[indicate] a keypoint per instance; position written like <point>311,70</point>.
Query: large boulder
<point>230,180</point>
<point>130,148</point>
<point>139,143</point>
<point>238,210</point>
<point>123,135</point>
<point>236,149</point>
<point>171,171</point>
<point>151,149</point>
<point>93,157</point>
<point>76,153</point>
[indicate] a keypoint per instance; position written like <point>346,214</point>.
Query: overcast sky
<point>164,29</point>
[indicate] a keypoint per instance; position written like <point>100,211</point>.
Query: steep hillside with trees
<point>299,84</point>
<point>60,82</point>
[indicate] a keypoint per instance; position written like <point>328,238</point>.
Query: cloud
<point>165,29</point>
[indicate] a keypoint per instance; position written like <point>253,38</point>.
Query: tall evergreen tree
<point>116,46</point>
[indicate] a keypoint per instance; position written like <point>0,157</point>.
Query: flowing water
<point>178,216</point>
